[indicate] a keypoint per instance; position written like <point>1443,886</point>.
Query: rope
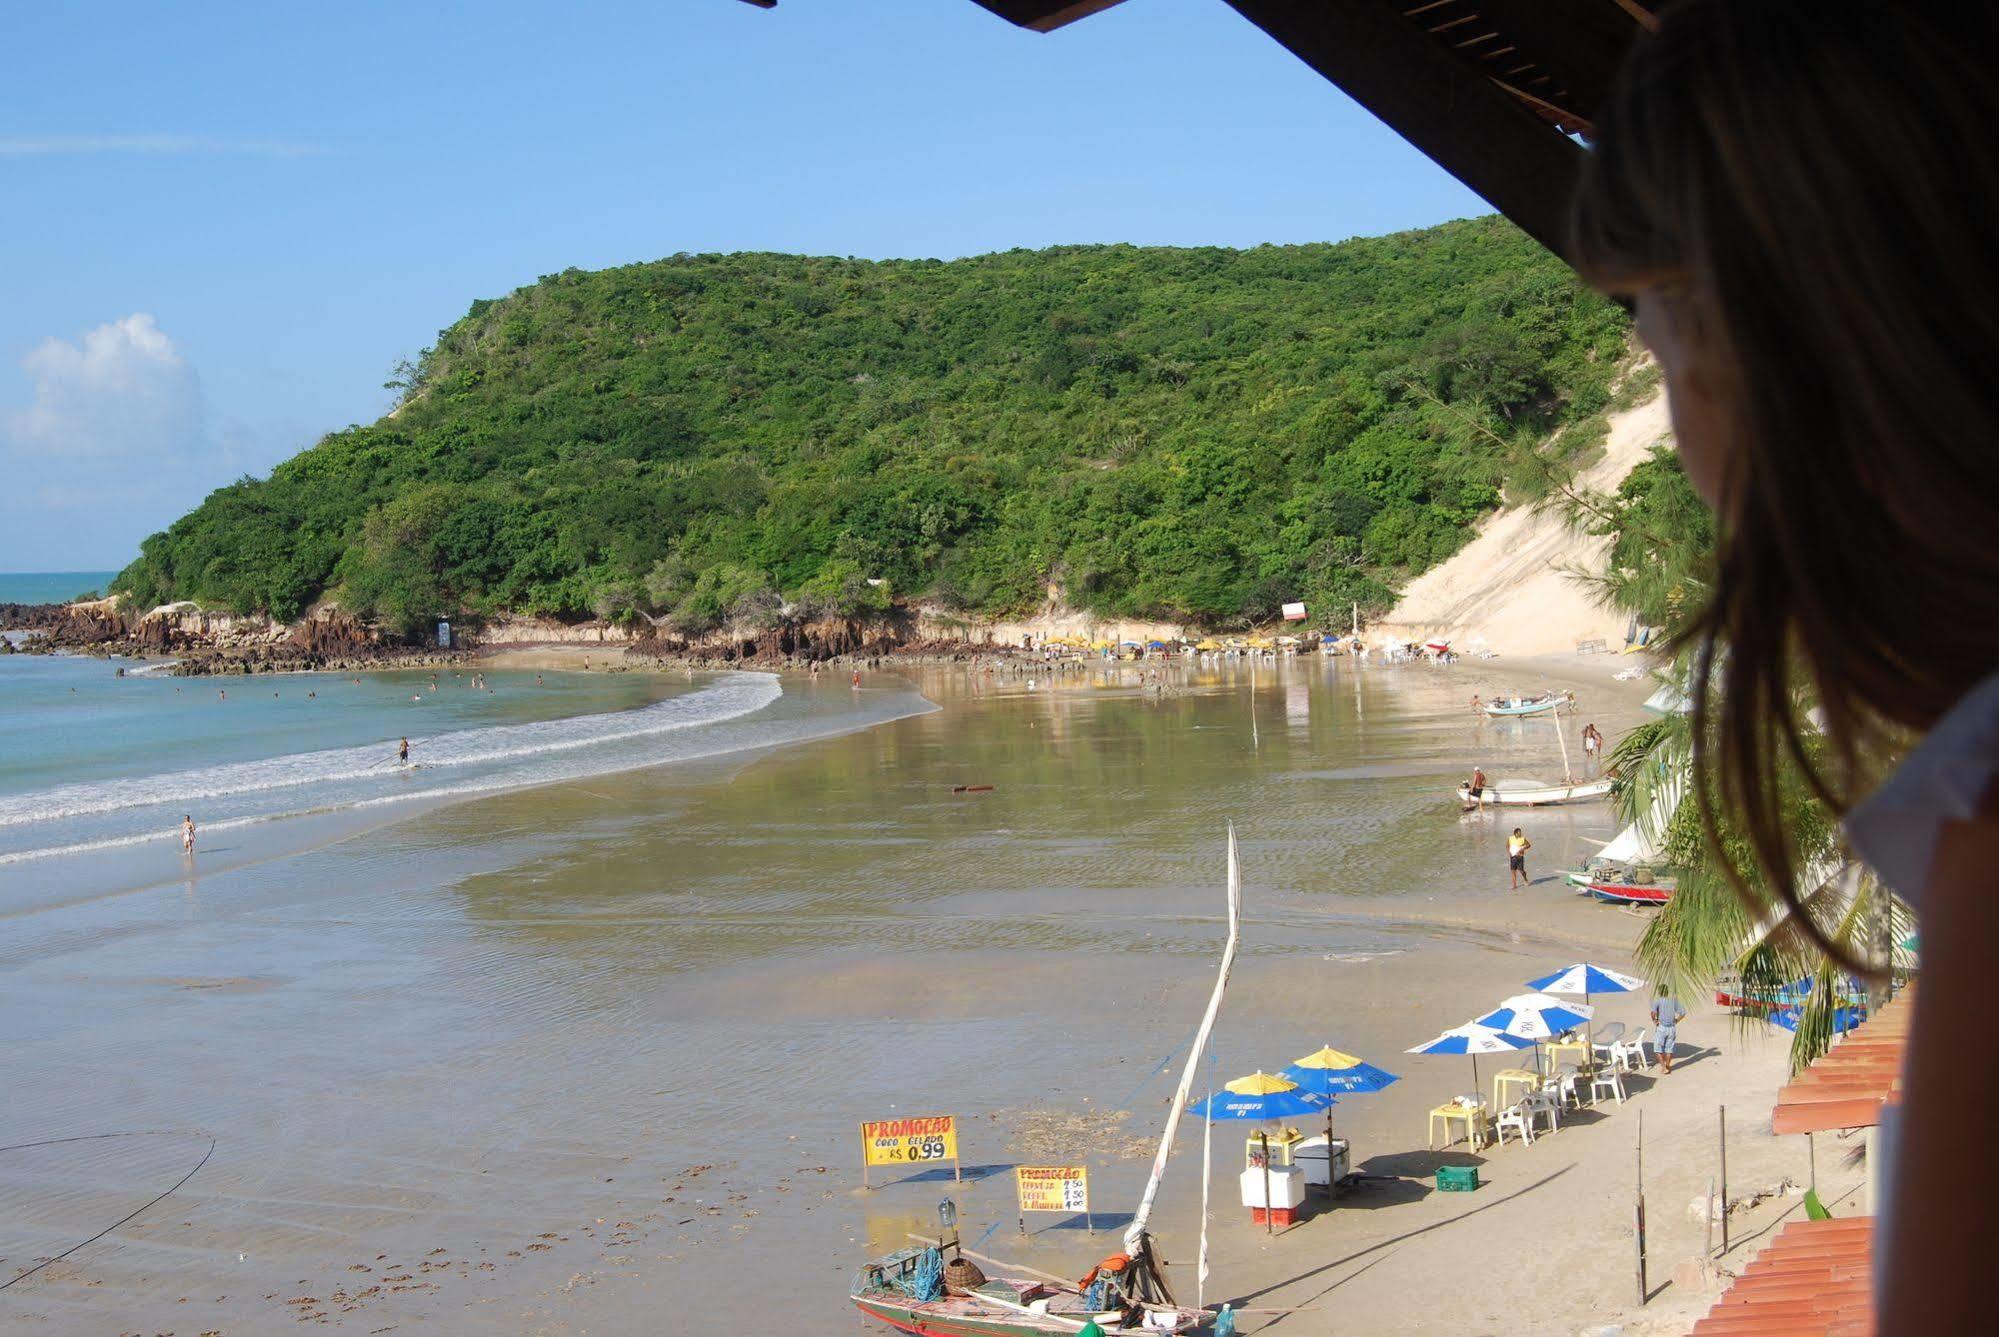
<point>95,1137</point>
<point>928,1283</point>
<point>1157,1068</point>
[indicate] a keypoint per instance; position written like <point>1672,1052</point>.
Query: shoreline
<point>618,987</point>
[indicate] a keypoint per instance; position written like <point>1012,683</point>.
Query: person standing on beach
<point>187,834</point>
<point>1592,745</point>
<point>1477,706</point>
<point>1517,846</point>
<point>1666,1014</point>
<point>1476,788</point>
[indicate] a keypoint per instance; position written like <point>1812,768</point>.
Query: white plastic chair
<point>1628,1055</point>
<point>1604,1047</point>
<point>1565,1085</point>
<point>1607,1079</point>
<point>1515,1118</point>
<point>1540,1102</point>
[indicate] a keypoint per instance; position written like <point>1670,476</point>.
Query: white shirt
<point>1943,779</point>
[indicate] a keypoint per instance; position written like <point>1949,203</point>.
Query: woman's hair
<point>1811,187</point>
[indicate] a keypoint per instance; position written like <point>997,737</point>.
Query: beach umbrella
<point>1586,979</point>
<point>1536,1016</point>
<point>1333,1072</point>
<point>1474,1039</point>
<point>1262,1096</point>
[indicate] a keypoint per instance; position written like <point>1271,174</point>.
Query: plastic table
<point>1473,1117</point>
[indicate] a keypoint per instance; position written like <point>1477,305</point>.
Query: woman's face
<point>1690,395</point>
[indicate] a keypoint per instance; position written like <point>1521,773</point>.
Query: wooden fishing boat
<point>1002,1306</point>
<point>1536,795</point>
<point>914,1291</point>
<point>1633,893</point>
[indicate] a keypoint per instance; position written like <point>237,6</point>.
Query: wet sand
<point>592,1057</point>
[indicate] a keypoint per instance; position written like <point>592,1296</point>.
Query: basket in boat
<point>962,1277</point>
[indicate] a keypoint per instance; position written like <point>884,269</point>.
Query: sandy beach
<point>591,1056</point>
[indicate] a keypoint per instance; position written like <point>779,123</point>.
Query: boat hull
<point>1541,797</point>
<point>1522,710</point>
<point>938,1320</point>
<point>1612,893</point>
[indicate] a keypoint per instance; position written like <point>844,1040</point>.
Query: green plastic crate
<point>1457,1178</point>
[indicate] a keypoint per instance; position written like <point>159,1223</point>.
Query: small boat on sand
<point>917,1292</point>
<point>1513,707</point>
<point>1004,1306</point>
<point>1626,892</point>
<point>1533,794</point>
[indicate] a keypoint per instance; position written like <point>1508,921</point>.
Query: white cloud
<point>121,393</point>
<point>27,146</point>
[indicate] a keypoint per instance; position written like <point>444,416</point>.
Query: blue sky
<point>221,224</point>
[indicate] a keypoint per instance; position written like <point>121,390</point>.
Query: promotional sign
<point>1294,612</point>
<point>1053,1188</point>
<point>925,1140</point>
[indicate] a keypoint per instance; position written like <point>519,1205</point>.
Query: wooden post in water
<point>1724,1179</point>
<point>1641,1208</point>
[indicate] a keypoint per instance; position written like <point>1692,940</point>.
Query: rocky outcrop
<point>807,640</point>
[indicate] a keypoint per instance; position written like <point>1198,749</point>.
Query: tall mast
<point>1134,1237</point>
<point>1568,776</point>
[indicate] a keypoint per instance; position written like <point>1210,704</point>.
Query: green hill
<point>1197,433</point>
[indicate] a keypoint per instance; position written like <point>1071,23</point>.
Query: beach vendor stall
<point>1331,1073</point>
<point>1273,1185</point>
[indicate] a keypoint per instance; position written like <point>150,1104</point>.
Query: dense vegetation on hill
<point>1198,433</point>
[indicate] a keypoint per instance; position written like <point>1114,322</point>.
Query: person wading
<point>1517,846</point>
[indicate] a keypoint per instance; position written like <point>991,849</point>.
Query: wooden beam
<point>1046,15</point>
<point>1439,102</point>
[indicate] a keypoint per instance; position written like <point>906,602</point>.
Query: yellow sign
<point>918,1141</point>
<point>1053,1188</point>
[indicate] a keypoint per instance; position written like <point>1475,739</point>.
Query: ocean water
<point>48,587</point>
<point>101,755</point>
<point>604,1044</point>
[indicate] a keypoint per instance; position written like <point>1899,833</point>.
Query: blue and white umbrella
<point>1536,1016</point>
<point>1473,1039</point>
<point>1586,979</point>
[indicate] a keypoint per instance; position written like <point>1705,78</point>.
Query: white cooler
<point>1287,1187</point>
<point>1325,1162</point>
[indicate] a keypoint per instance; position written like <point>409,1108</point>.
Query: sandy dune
<point>1510,585</point>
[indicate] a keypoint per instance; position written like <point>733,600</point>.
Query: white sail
<point>1134,1237</point>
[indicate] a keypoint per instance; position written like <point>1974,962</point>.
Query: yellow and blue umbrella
<point>1333,1072</point>
<point>1263,1096</point>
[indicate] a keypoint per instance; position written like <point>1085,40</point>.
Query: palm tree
<point>1657,569</point>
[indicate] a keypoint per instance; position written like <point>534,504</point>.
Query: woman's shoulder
<point>1948,777</point>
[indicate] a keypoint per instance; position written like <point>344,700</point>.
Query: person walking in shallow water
<point>1592,746</point>
<point>1517,846</point>
<point>187,835</point>
<point>403,752</point>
